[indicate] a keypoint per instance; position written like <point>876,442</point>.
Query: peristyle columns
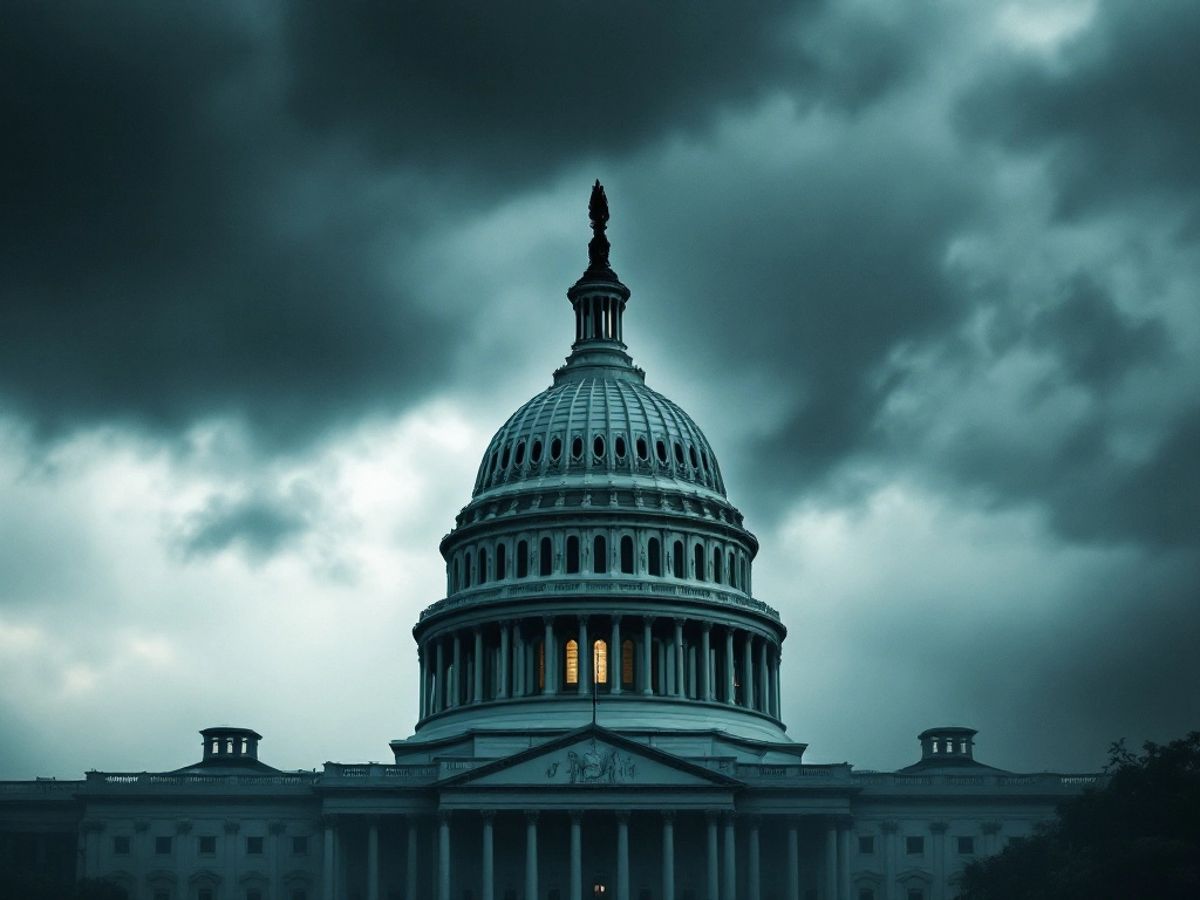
<point>575,890</point>
<point>711,858</point>
<point>647,667</point>
<point>622,856</point>
<point>615,659</point>
<point>488,888</point>
<point>531,854</point>
<point>729,889</point>
<point>668,854</point>
<point>443,876</point>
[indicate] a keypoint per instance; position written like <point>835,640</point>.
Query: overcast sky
<point>271,275</point>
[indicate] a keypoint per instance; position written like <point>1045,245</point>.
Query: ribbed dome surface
<point>602,423</point>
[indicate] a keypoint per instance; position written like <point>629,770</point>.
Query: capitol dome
<point>599,565</point>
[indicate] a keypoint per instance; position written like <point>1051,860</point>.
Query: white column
<point>753,889</point>
<point>680,689</point>
<point>729,891</point>
<point>502,687</point>
<point>748,671</point>
<point>793,861</point>
<point>457,681</point>
<point>711,858</point>
<point>764,696</point>
<point>410,869</point>
<point>705,662</point>
<point>477,692</point>
<point>518,661</point>
<point>422,708</point>
<point>668,855</point>
<point>550,657</point>
<point>889,859</point>
<point>622,856</point>
<point>488,888</point>
<point>730,690</point>
<point>575,887</point>
<point>531,855</point>
<point>440,694</point>
<point>939,859</point>
<point>585,658</point>
<point>373,860</point>
<point>831,854</point>
<point>443,891</point>
<point>647,668</point>
<point>844,860</point>
<point>327,863</point>
<point>615,667</point>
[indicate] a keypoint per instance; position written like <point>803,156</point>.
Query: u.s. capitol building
<point>599,697</point>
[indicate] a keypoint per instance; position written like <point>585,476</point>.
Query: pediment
<point>591,757</point>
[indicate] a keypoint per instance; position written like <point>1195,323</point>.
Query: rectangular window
<point>208,845</point>
<point>966,845</point>
<point>254,845</point>
<point>162,845</point>
<point>914,846</point>
<point>866,843</point>
<point>121,845</point>
<point>300,845</point>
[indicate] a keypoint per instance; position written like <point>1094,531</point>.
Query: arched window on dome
<point>599,555</point>
<point>522,559</point>
<point>467,569</point>
<point>745,582</point>
<point>571,658</point>
<point>627,555</point>
<point>699,562</point>
<point>677,563</point>
<point>600,661</point>
<point>545,557</point>
<point>627,663</point>
<point>716,565</point>
<point>573,555</point>
<point>482,566</point>
<point>454,576</point>
<point>654,554</point>
<point>501,562</point>
<point>732,571</point>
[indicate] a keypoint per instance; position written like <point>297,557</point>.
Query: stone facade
<point>599,711</point>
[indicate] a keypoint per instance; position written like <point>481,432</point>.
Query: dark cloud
<point>260,524</point>
<point>1116,111</point>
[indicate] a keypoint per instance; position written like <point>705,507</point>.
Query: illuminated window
<point>627,662</point>
<point>572,662</point>
<point>600,661</point>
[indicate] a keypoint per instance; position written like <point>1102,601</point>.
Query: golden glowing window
<point>627,662</point>
<point>600,661</point>
<point>572,662</point>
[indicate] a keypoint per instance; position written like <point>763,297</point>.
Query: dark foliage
<point>1138,836</point>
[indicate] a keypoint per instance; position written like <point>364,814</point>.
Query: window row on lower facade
<point>658,554</point>
<point>610,654</point>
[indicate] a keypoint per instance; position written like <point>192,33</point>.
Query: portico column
<point>327,863</point>
<point>518,661</point>
<point>531,854</point>
<point>793,861</point>
<point>844,859</point>
<point>440,693</point>
<point>668,855</point>
<point>939,859</point>
<point>705,663</point>
<point>477,692</point>
<point>487,890</point>
<point>615,661</point>
<point>422,663</point>
<point>712,860</point>
<point>778,683</point>
<point>890,827</point>
<point>622,856</point>
<point>502,687</point>
<point>831,854</point>
<point>549,658</point>
<point>373,860</point>
<point>575,887</point>
<point>729,891</point>
<point>456,681</point>
<point>443,892</point>
<point>647,667</point>
<point>410,869</point>
<point>585,658</point>
<point>730,691</point>
<point>764,678</point>
<point>753,887</point>
<point>748,671</point>
<point>679,683</point>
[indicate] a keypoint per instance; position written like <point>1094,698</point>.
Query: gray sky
<point>927,274</point>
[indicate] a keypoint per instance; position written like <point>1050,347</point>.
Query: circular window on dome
<point>519,456</point>
<point>576,447</point>
<point>504,459</point>
<point>619,446</point>
<point>661,449</point>
<point>678,453</point>
<point>598,446</point>
<point>535,452</point>
<point>643,451</point>
<point>692,457</point>
<point>555,449</point>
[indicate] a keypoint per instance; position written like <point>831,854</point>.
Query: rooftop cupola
<point>598,299</point>
<point>227,745</point>
<point>947,743</point>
